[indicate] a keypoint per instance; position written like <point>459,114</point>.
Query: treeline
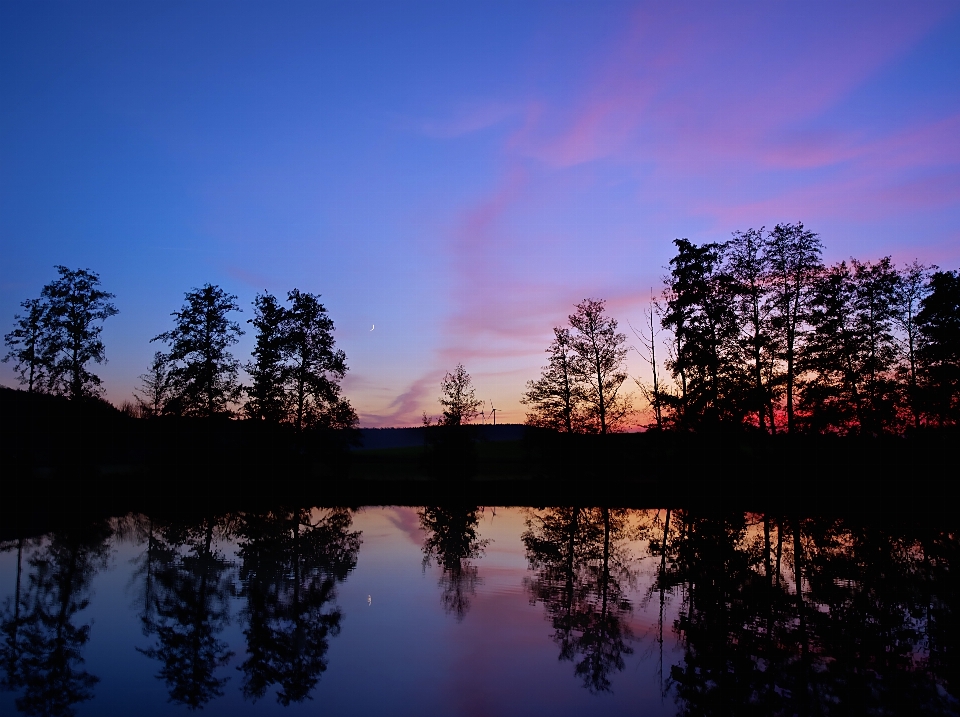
<point>759,332</point>
<point>295,370</point>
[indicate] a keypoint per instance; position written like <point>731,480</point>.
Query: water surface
<point>478,610</point>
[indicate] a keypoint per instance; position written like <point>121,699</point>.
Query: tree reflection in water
<point>451,538</point>
<point>866,632</point>
<point>291,563</point>
<point>582,568</point>
<point>187,609</point>
<point>42,652</point>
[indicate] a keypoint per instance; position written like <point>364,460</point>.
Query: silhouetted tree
<point>582,569</point>
<point>939,327</point>
<point>654,392</point>
<point>267,396</point>
<point>58,335</point>
<point>30,346</point>
<point>155,389</point>
<point>191,608</point>
<point>297,368</point>
<point>292,562</point>
<point>852,350</point>
<point>912,290</point>
<point>749,268</point>
<point>556,397</point>
<point>793,253</point>
<point>316,366</point>
<point>707,363</point>
<point>458,398</point>
<point>45,662</point>
<point>203,371</point>
<point>599,353</point>
<point>451,538</point>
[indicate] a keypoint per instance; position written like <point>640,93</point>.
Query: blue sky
<point>457,174</point>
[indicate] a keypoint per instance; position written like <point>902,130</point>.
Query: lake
<point>442,610</point>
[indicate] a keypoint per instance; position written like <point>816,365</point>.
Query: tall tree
<point>267,396</point>
<point>599,354</point>
<point>297,368</point>
<point>75,307</point>
<point>794,256</point>
<point>557,395</point>
<point>748,267</point>
<point>29,345</point>
<point>939,324</point>
<point>699,311</point>
<point>851,350</point>
<point>204,372</point>
<point>913,289</point>
<point>316,366</point>
<point>458,397</point>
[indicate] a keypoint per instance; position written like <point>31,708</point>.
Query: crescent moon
<point>372,327</point>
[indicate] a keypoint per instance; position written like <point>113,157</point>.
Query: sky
<point>456,175</point>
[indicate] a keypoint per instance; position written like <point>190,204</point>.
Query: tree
<point>699,310</point>
<point>155,386</point>
<point>652,393</point>
<point>794,256</point>
<point>939,325</point>
<point>599,353</point>
<point>851,350</point>
<point>913,289</point>
<point>29,345</point>
<point>458,398</point>
<point>268,399</point>
<point>316,366</point>
<point>297,368</point>
<point>748,267</point>
<point>204,372</point>
<point>556,397</point>
<point>69,311</point>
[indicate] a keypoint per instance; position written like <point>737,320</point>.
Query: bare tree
<point>653,392</point>
<point>155,387</point>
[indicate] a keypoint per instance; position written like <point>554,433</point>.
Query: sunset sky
<point>457,174</point>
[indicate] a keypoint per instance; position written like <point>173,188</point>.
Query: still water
<point>479,611</point>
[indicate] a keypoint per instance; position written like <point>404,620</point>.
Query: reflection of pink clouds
<point>406,521</point>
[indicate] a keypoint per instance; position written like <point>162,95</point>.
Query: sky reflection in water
<point>473,611</point>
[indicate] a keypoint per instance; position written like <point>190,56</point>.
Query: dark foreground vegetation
<point>61,455</point>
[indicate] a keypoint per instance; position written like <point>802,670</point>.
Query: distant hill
<point>380,438</point>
